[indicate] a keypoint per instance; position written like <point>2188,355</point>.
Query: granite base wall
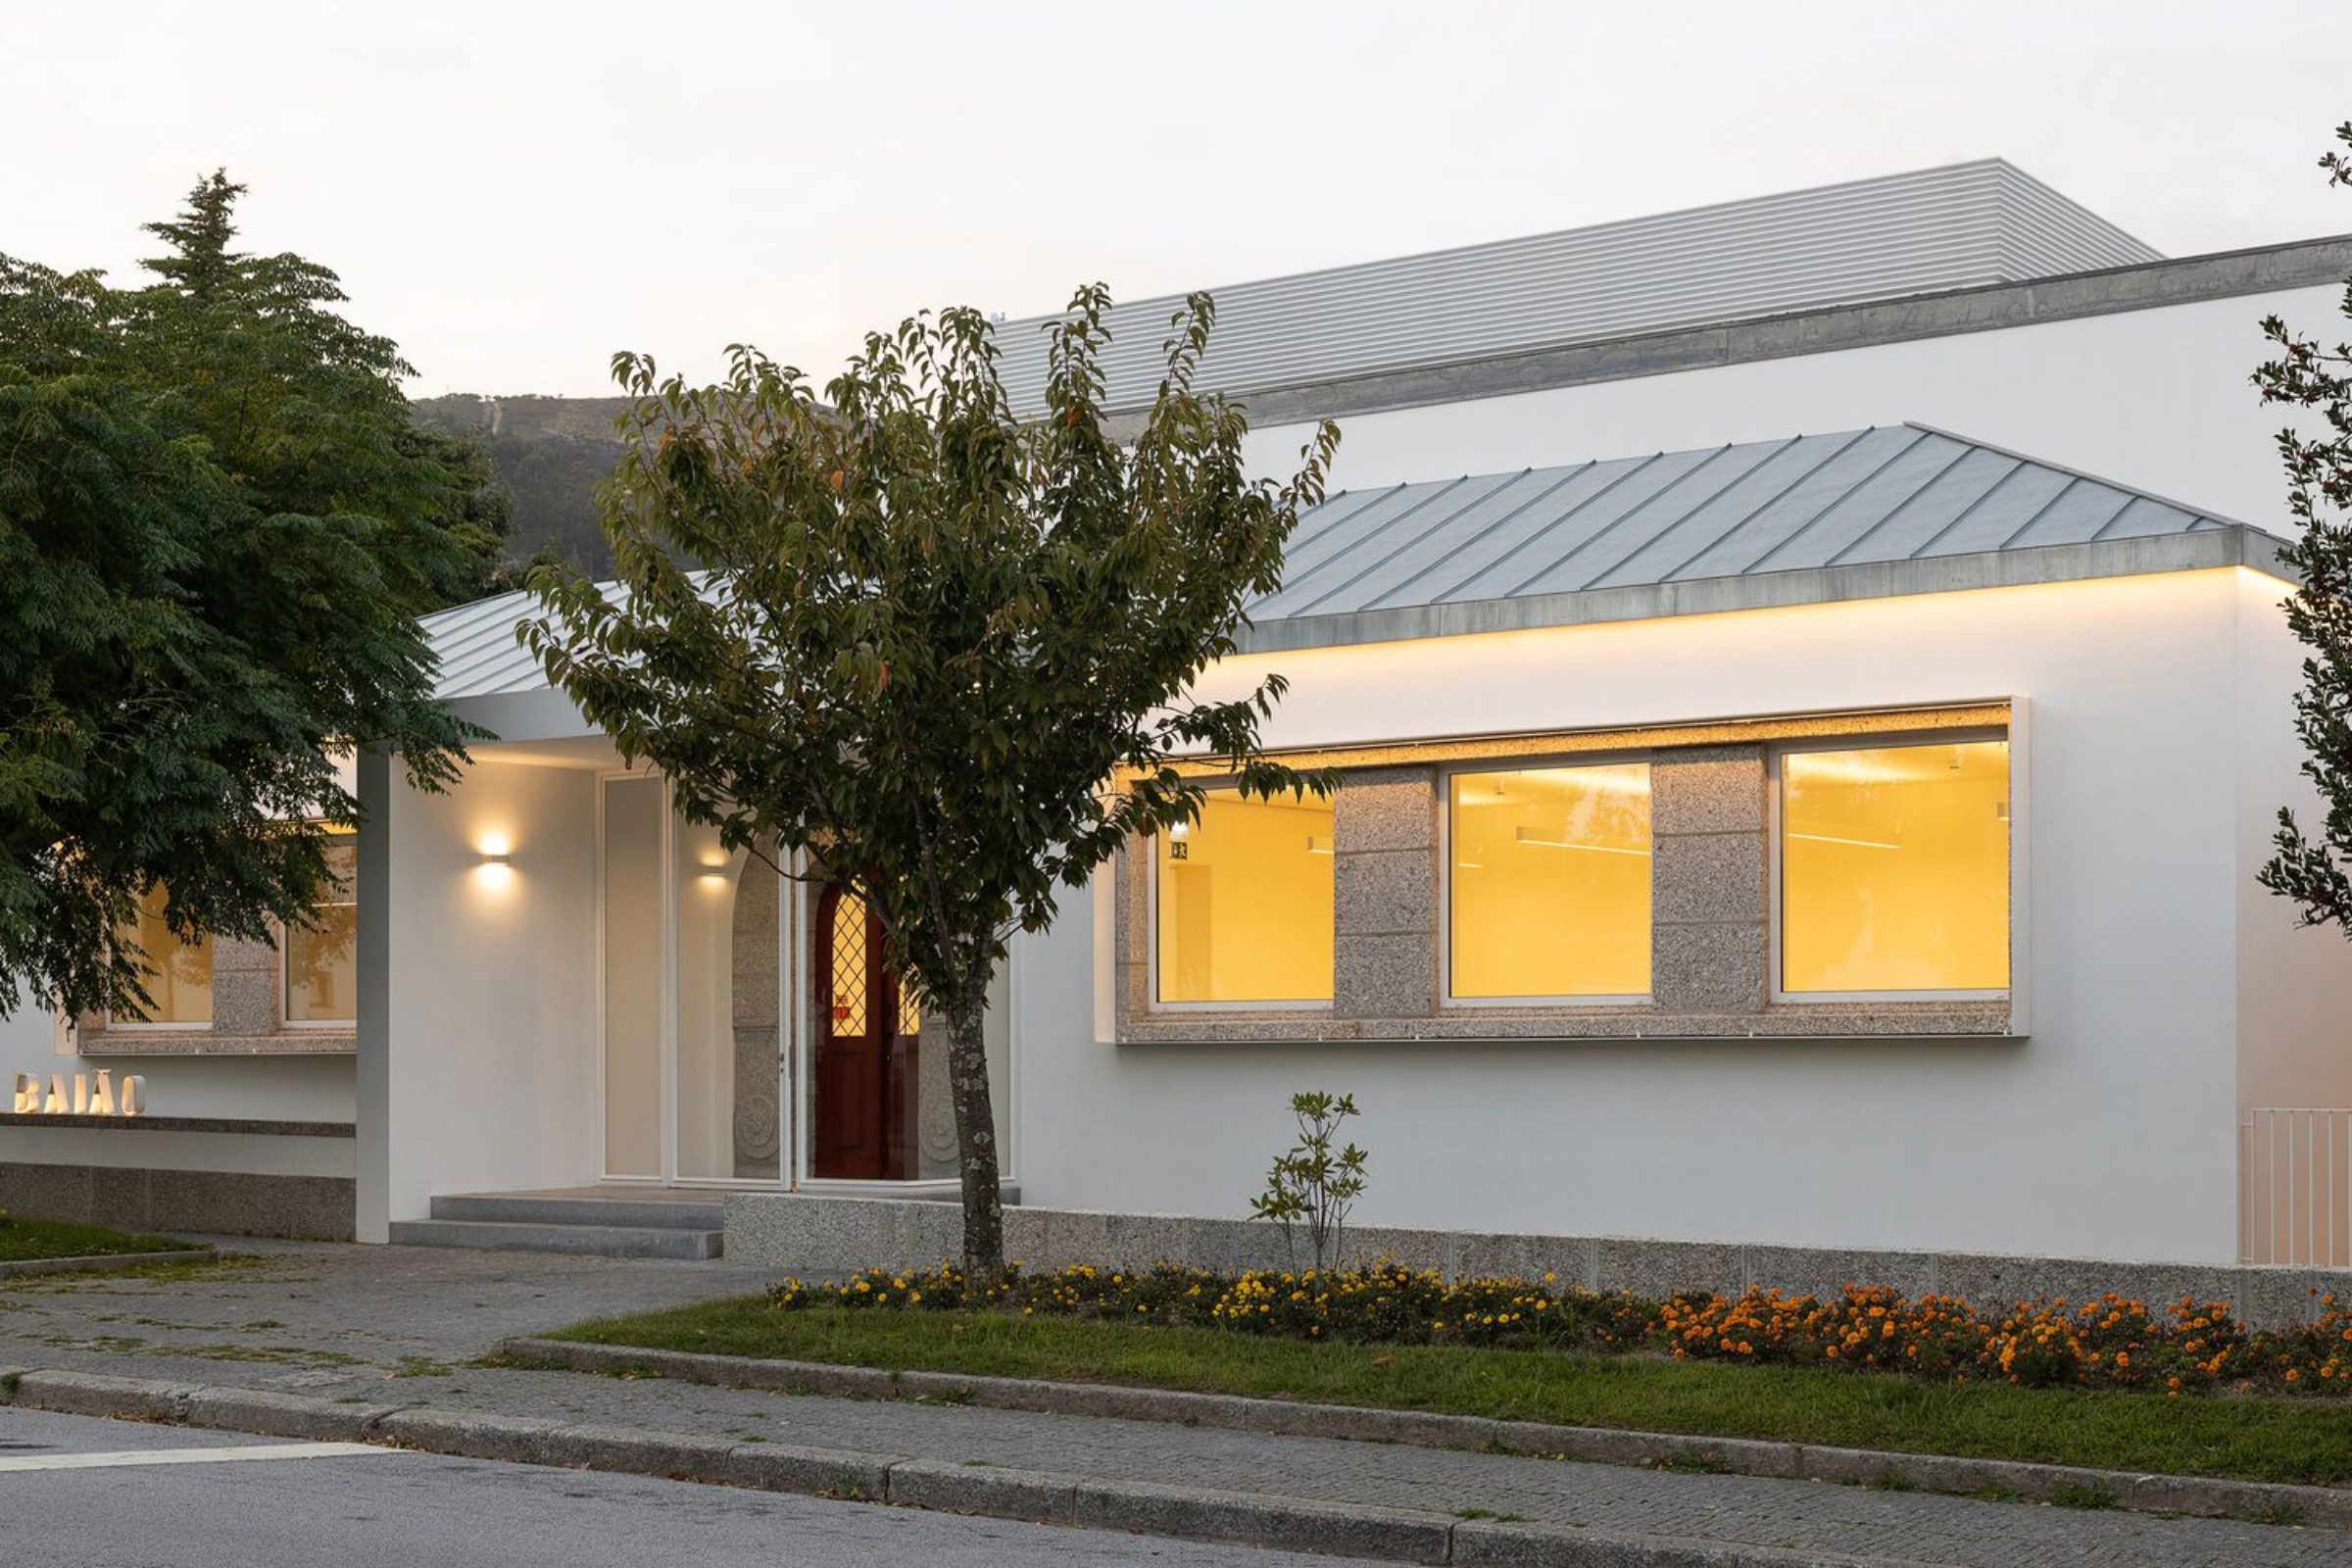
<point>816,1236</point>
<point>181,1202</point>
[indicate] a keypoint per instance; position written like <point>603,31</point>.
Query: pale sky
<point>515,192</point>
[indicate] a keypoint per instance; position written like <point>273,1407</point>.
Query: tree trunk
<point>975,1137</point>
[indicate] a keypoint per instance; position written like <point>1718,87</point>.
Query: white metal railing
<point>2296,1187</point>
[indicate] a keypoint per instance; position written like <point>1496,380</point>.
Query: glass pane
<point>1245,902</point>
<point>180,981</point>
<point>636,817</point>
<point>1894,869</point>
<point>1550,882</point>
<point>849,998</point>
<point>322,960</point>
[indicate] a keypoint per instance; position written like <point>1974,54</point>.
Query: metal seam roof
<point>1962,225</point>
<point>1865,503</point>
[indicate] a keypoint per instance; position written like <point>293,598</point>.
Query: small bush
<point>1314,1186</point>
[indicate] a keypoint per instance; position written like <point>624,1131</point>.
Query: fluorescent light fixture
<point>1832,838</point>
<point>1529,838</point>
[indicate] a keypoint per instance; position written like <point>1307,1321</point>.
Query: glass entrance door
<point>693,987</point>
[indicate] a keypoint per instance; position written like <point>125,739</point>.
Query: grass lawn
<point>2288,1440</point>
<point>22,1240</point>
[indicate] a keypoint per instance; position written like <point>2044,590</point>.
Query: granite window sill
<point>207,1043</point>
<point>1807,1020</point>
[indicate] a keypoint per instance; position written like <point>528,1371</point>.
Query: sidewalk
<point>393,1326</point>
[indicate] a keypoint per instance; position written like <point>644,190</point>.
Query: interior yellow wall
<point>1895,868</point>
<point>180,973</point>
<point>322,967</point>
<point>1245,902</point>
<point>1550,882</point>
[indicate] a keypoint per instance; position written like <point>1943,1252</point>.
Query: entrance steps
<point>593,1221</point>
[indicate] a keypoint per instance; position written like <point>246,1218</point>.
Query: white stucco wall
<point>2294,985</point>
<point>2110,1132</point>
<point>483,1074</point>
<point>2154,399</point>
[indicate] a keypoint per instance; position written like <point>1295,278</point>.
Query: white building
<point>1812,698</point>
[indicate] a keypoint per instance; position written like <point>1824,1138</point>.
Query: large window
<point>1549,891</point>
<point>179,984</point>
<point>1894,869</point>
<point>323,958</point>
<point>1244,902</point>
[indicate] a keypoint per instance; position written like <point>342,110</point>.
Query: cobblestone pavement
<point>397,1324</point>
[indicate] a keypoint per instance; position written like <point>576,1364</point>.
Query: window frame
<point>1152,1001</point>
<point>284,956</point>
<point>1774,893</point>
<point>1445,775</point>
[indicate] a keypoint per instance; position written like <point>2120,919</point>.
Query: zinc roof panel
<point>2021,496</point>
<point>1401,556</point>
<point>1784,517</point>
<point>1704,526</point>
<point>1604,550</point>
<point>1576,526</point>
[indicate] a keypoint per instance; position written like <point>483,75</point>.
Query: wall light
<point>496,868</point>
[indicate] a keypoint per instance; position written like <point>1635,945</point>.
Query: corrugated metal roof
<point>1888,494</point>
<point>1960,226</point>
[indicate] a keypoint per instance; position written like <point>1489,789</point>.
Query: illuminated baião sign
<point>92,1094</point>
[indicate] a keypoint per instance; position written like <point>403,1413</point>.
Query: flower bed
<point>2111,1343</point>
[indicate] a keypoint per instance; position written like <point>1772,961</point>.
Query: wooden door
<point>864,1078</point>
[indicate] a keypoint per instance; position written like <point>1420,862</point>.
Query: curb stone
<point>99,1394</point>
<point>282,1415</point>
<point>1255,1519</point>
<point>1002,1494</point>
<point>1495,1543</point>
<point>103,1262</point>
<point>2205,1496</point>
<point>1189,1513</point>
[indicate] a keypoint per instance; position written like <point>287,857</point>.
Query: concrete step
<point>549,1208</point>
<point>594,1240</point>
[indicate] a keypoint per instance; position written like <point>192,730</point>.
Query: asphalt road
<point>79,1492</point>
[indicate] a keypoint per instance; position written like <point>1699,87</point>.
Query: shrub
<point>1314,1186</point>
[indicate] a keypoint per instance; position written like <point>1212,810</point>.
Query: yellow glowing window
<point>1549,886</point>
<point>322,963</point>
<point>179,983</point>
<point>1894,869</point>
<point>1245,902</point>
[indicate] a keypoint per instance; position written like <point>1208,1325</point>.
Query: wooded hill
<point>549,453</point>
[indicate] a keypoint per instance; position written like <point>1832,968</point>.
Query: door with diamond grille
<point>865,1074</point>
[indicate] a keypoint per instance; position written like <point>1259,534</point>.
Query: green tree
<point>216,528</point>
<point>940,656</point>
<point>2314,870</point>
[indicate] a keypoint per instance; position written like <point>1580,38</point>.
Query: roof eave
<point>2200,550</point>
